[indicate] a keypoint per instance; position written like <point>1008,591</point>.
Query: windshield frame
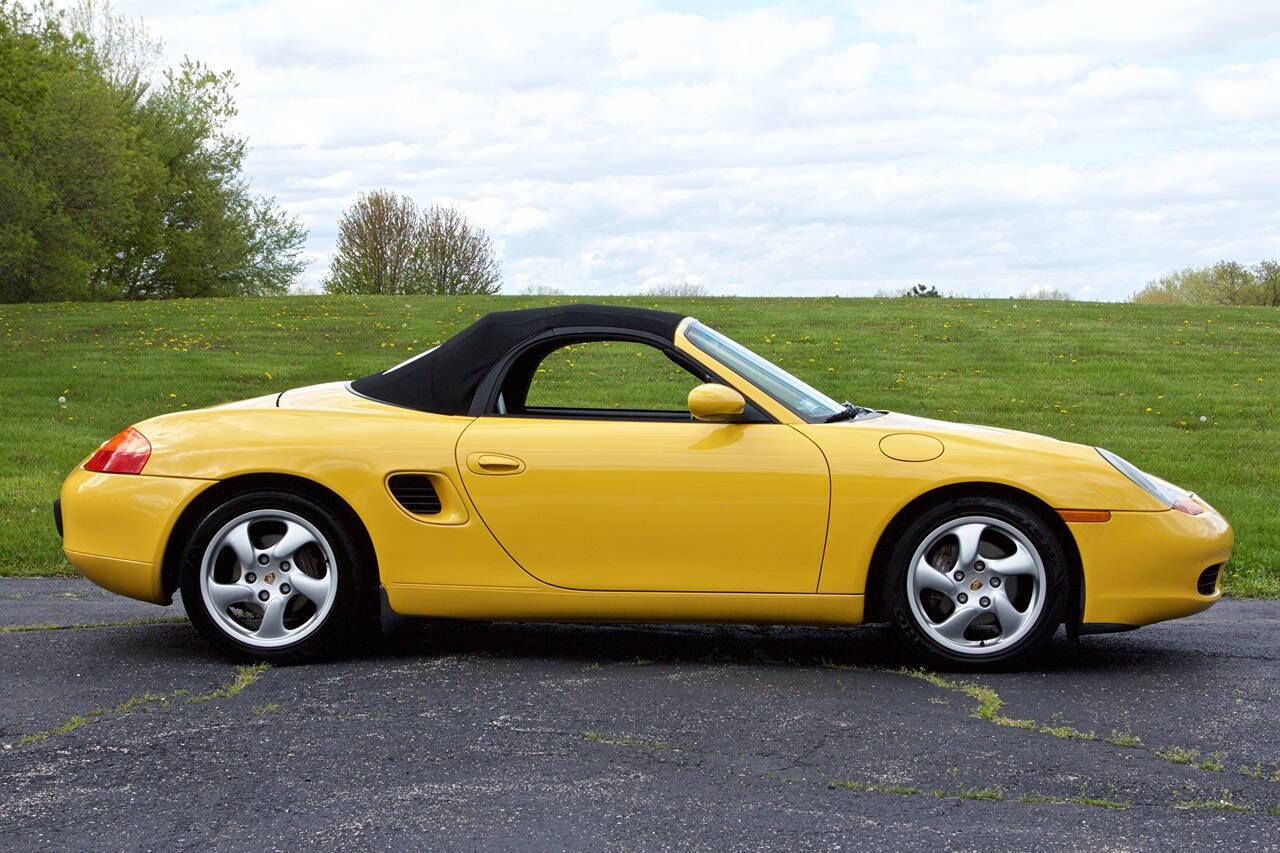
<point>780,385</point>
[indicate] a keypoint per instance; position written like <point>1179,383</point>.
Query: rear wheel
<point>277,577</point>
<point>977,583</point>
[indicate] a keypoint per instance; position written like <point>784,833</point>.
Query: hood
<point>950,431</point>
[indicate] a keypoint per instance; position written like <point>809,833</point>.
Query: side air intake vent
<point>415,493</point>
<point>1208,581</point>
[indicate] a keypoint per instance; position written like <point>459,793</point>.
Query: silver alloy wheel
<point>972,603</point>
<point>279,578</point>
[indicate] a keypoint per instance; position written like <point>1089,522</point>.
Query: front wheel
<point>978,584</point>
<point>275,576</point>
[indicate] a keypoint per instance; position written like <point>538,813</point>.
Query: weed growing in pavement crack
<point>127,623</point>
<point>1065,732</point>
<point>1126,739</point>
<point>1226,802</point>
<point>993,794</point>
<point>625,740</point>
<point>69,726</point>
<point>1084,799</point>
<point>245,676</point>
<point>989,703</point>
<point>1178,755</point>
<point>873,788</point>
<point>1081,799</point>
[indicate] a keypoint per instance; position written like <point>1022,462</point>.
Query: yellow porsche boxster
<point>445,483</point>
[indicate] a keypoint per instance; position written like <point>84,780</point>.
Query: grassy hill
<point>1191,394</point>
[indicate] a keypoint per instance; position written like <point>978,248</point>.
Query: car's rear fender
<point>116,527</point>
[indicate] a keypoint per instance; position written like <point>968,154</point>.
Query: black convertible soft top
<point>445,379</point>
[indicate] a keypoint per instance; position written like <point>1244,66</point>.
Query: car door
<point>633,498</point>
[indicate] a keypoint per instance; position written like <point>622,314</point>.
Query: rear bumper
<point>1144,567</point>
<point>115,527</point>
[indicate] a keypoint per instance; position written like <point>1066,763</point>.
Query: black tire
<point>349,622</point>
<point>920,640</point>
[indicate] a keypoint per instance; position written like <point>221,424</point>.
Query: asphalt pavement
<point>120,728</point>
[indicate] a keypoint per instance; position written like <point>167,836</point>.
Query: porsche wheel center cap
<point>270,577</point>
<point>975,586</point>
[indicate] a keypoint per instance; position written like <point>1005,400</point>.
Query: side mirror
<point>716,403</point>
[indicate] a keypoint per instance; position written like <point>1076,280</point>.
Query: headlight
<point>1160,490</point>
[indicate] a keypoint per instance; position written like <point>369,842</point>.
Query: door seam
<point>826,530</point>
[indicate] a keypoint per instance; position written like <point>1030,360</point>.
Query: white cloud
<point>749,44</point>
<point>1117,83</point>
<point>1249,92</point>
<point>1032,71</point>
<point>984,147</point>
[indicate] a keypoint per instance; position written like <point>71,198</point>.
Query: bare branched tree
<point>460,257</point>
<point>1047,294</point>
<point>381,247</point>
<point>682,289</point>
<point>125,53</point>
<point>386,244</point>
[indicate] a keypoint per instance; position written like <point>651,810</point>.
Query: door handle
<point>494,463</point>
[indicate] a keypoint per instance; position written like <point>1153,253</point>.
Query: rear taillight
<point>126,453</point>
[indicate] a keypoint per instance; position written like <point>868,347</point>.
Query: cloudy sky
<point>802,148</point>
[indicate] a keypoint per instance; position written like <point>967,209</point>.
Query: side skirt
<point>549,605</point>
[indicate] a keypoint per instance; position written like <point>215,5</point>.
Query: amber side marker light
<point>125,453</point>
<point>1187,505</point>
<point>1085,514</point>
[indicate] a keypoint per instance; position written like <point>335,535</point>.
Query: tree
<point>121,48</point>
<point>202,233</point>
<point>114,184</point>
<point>921,291</point>
<point>1223,283</point>
<point>381,247</point>
<point>386,244</point>
<point>460,258</point>
<point>1266,277</point>
<point>65,164</point>
<point>1046,294</point>
<point>682,289</point>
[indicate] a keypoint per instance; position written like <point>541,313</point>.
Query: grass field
<point>1191,394</point>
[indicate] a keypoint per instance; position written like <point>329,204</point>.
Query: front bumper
<point>1144,567</point>
<point>115,527</point>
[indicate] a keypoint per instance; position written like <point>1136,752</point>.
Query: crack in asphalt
<point>145,703</point>
<point>124,623</point>
<point>479,735</point>
<point>987,702</point>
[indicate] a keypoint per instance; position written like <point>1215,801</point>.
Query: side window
<point>610,375</point>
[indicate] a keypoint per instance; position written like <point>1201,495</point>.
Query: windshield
<point>807,402</point>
